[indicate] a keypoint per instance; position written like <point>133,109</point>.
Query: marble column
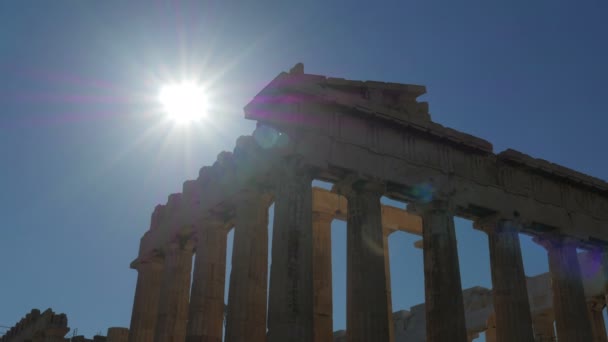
<point>604,268</point>
<point>322,277</point>
<point>571,318</point>
<point>389,294</point>
<point>290,307</point>
<point>445,320</point>
<point>544,329</point>
<point>490,332</point>
<point>145,303</point>
<point>247,297</point>
<point>366,308</point>
<point>174,293</point>
<point>206,311</point>
<point>472,336</point>
<point>511,304</point>
<point>598,328</point>
<point>116,334</point>
<point>491,335</point>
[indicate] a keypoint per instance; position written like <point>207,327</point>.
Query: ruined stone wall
<point>36,326</point>
<point>51,327</point>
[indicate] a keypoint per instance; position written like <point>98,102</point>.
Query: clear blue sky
<point>86,156</point>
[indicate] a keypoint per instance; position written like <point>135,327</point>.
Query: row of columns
<point>513,321</point>
<point>299,298</point>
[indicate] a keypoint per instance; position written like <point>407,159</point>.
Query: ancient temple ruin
<point>370,139</point>
<point>49,326</point>
<point>38,327</point>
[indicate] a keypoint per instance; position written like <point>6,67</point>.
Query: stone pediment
<point>392,103</point>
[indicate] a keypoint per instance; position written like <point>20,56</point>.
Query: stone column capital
<point>376,188</point>
<point>353,184</point>
<point>150,261</point>
<point>182,244</point>
<point>435,206</point>
<point>253,194</point>
<point>602,251</point>
<point>553,241</point>
<point>212,220</point>
<point>291,163</point>
<point>596,303</point>
<point>497,223</point>
<point>322,216</point>
<point>208,224</point>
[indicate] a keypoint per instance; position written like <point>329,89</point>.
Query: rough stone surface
<point>206,311</point>
<point>322,277</point>
<point>366,296</point>
<point>290,309</point>
<point>117,335</point>
<point>544,329</point>
<point>389,295</point>
<point>571,317</point>
<point>596,317</point>
<point>511,305</point>
<point>445,319</point>
<point>175,290</point>
<point>247,298</point>
<point>40,327</point>
<point>145,303</point>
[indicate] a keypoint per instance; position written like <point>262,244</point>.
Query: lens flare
<point>423,192</point>
<point>184,102</point>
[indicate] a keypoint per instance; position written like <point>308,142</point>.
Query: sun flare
<point>184,102</point>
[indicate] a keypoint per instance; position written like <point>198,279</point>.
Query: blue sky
<point>86,153</point>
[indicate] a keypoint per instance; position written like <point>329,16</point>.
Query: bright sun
<point>184,102</point>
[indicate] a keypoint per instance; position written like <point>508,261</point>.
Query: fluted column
<point>290,314</point>
<point>445,320</point>
<point>544,330</point>
<point>174,293</point>
<point>389,293</point>
<point>472,336</point>
<point>322,277</point>
<point>571,318</point>
<point>116,334</point>
<point>598,328</point>
<point>367,308</point>
<point>206,311</point>
<point>145,303</point>
<point>247,297</point>
<point>491,328</point>
<point>491,335</point>
<point>604,267</point>
<point>511,304</point>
